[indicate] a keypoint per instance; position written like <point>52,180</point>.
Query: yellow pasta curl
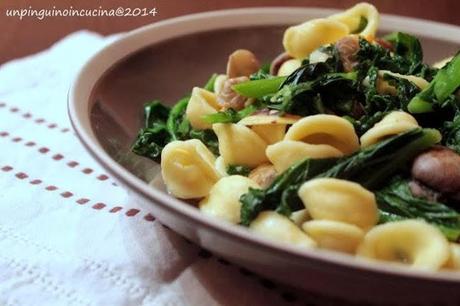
<point>239,145</point>
<point>334,235</point>
<point>339,200</point>
<point>412,242</point>
<point>276,227</point>
<point>223,200</point>
<point>202,102</point>
<point>392,124</point>
<point>188,169</point>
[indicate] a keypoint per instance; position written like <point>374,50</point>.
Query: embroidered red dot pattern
<point>82,201</point>
<point>55,156</point>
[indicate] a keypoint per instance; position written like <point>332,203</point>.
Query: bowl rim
<point>128,43</point>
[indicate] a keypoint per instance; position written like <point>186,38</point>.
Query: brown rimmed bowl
<point>164,61</point>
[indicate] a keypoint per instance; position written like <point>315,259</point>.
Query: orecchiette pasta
<point>202,102</point>
<point>318,56</point>
<point>454,257</point>
<point>188,169</point>
<point>300,217</point>
<point>239,145</point>
<point>442,62</point>
<point>334,235</point>
<point>271,133</point>
<point>339,200</point>
<point>300,40</point>
<point>352,19</point>
<point>270,128</point>
<point>221,167</point>
<point>219,83</point>
<point>289,67</point>
<point>223,199</point>
<point>274,226</point>
<point>326,130</point>
<point>285,153</point>
<point>412,242</point>
<point>392,124</point>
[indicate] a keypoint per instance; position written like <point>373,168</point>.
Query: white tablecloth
<point>68,234</point>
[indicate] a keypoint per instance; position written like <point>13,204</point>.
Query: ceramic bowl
<point>164,61</point>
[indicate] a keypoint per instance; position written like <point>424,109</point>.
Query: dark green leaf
<point>396,202</point>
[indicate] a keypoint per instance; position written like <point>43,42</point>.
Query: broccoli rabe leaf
<point>396,202</point>
<point>155,135</point>
<point>451,133</point>
<point>164,125</point>
<point>440,93</point>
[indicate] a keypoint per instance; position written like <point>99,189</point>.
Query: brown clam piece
<point>228,98</point>
<point>278,61</point>
<point>263,175</point>
<point>242,63</point>
<point>438,168</point>
<point>347,48</point>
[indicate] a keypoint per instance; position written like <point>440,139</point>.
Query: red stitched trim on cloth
<point>55,156</point>
<point>67,195</point>
<point>29,116</point>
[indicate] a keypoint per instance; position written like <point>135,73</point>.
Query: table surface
<point>30,35</point>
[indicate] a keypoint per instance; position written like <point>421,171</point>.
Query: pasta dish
<point>346,141</point>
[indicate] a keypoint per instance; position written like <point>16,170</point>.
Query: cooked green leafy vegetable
<point>371,167</point>
<point>163,125</point>
<point>155,135</point>
<point>396,202</point>
<point>451,133</point>
<point>440,92</point>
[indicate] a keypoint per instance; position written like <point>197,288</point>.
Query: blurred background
<point>29,35</point>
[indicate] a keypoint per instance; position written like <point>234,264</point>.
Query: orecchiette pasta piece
<point>269,119</point>
<point>289,67</point>
<point>300,40</point>
<point>202,102</point>
<point>221,167</point>
<point>285,153</point>
<point>318,56</point>
<point>334,235</point>
<point>442,62</point>
<point>383,87</point>
<point>271,133</point>
<point>325,129</point>
<point>300,217</point>
<point>392,124</point>
<point>239,145</point>
<point>454,257</point>
<point>270,128</point>
<point>352,19</point>
<point>339,200</point>
<point>223,200</point>
<point>412,242</point>
<point>188,169</point>
<point>276,227</point>
<point>219,83</point>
